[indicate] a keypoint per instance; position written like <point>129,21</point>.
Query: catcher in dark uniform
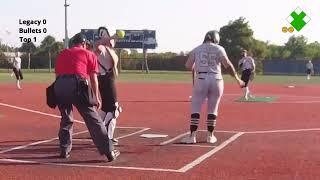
<point>108,60</point>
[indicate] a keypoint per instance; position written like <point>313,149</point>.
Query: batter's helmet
<point>212,36</point>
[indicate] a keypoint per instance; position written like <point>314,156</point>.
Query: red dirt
<point>165,109</point>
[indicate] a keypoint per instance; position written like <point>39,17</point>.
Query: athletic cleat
<point>114,155</point>
<point>211,138</point>
<point>64,155</point>
<point>115,142</point>
<point>190,139</point>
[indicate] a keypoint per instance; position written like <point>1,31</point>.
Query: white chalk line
<point>56,116</point>
<point>193,145</point>
<point>282,131</point>
<point>210,153</point>
<point>186,133</point>
<point>173,139</point>
<point>37,143</point>
<point>134,133</point>
<point>280,95</point>
<point>293,101</point>
<point>163,143</point>
<point>181,170</point>
<point>91,166</point>
<point>120,137</point>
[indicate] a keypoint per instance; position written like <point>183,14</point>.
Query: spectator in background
<point>310,70</point>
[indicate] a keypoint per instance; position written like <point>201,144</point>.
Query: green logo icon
<point>298,19</point>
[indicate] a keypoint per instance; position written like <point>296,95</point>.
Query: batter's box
<point>120,133</point>
<point>136,155</point>
<point>201,137</point>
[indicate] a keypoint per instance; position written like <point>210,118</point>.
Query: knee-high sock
<point>211,122</point>
<point>194,122</point>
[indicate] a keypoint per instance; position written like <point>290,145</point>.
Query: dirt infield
<point>275,140</point>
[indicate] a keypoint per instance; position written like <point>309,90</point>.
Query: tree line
<point>234,37</point>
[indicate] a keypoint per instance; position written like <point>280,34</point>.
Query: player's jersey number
<point>207,59</point>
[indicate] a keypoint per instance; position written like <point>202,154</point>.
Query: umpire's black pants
<point>66,93</point>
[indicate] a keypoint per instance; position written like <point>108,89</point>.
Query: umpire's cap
<point>78,38</point>
<point>212,36</point>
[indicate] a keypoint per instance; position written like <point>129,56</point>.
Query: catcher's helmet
<point>212,36</point>
<point>102,31</point>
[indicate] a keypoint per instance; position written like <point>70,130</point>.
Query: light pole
<point>8,35</point>
<point>66,39</point>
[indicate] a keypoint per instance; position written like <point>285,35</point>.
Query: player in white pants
<point>310,70</point>
<point>205,60</point>
<point>17,69</point>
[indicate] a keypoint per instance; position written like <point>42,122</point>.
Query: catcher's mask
<point>103,31</point>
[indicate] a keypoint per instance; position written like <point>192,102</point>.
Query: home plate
<point>291,86</point>
<point>154,135</point>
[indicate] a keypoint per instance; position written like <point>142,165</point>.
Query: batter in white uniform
<point>205,60</point>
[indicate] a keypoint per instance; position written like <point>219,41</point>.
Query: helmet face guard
<point>212,36</point>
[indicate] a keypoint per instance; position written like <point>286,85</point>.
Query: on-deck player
<point>206,60</point>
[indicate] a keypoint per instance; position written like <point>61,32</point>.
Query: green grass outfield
<point>157,76</point>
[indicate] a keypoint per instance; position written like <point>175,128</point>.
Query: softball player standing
<point>205,60</point>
